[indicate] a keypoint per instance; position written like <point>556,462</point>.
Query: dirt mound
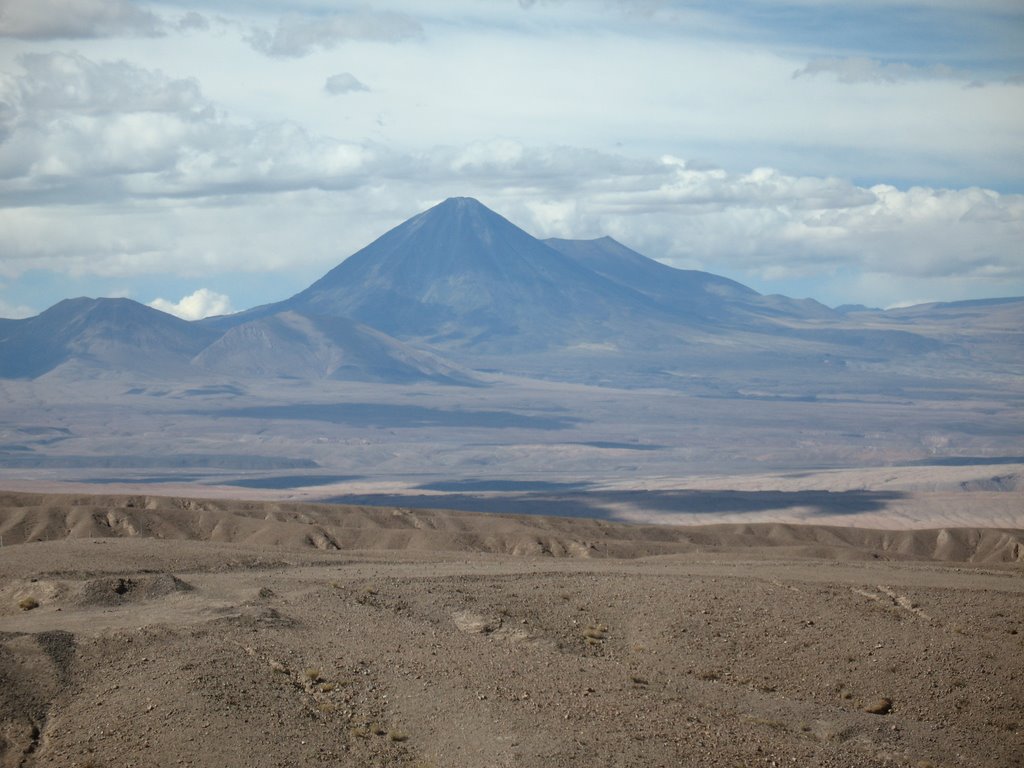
<point>113,591</point>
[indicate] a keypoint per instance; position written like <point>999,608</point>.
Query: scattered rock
<point>879,707</point>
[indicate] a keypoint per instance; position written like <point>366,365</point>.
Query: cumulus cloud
<point>296,36</point>
<point>343,82</point>
<point>195,306</point>
<point>70,19</point>
<point>75,129</point>
<point>776,226</point>
<point>72,83</point>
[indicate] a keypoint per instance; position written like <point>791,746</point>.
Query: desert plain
<point>140,630</point>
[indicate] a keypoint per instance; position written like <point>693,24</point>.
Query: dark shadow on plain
<point>142,480</point>
<point>505,486</point>
<point>595,504</point>
<point>966,461</point>
<point>396,416</point>
<point>620,446</point>
<point>157,462</point>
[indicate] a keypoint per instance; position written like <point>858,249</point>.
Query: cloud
<point>857,69</point>
<point>79,130</point>
<point>112,169</point>
<point>192,22</point>
<point>72,19</point>
<point>202,303</point>
<point>762,225</point>
<point>71,83</point>
<point>297,36</point>
<point>343,82</point>
<point>13,311</point>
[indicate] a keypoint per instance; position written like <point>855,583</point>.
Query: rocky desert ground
<point>150,631</point>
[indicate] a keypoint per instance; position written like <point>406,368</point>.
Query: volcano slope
<point>151,632</point>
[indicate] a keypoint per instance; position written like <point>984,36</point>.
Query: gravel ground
<point>145,652</point>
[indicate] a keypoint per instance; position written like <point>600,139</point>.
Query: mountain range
<point>458,287</point>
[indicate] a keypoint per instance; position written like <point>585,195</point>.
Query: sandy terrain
<point>173,631</point>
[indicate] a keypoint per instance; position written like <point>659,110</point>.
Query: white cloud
<point>13,311</point>
<point>859,69</point>
<point>81,130</point>
<point>343,82</point>
<point>56,19</point>
<point>202,303</point>
<point>69,82</point>
<point>296,36</point>
<point>763,225</point>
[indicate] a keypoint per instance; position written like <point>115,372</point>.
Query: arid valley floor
<point>173,631</point>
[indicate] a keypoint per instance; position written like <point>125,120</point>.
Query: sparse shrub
<point>311,675</point>
<point>397,736</point>
<point>28,603</point>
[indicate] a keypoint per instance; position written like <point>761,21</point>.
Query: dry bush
<point>28,603</point>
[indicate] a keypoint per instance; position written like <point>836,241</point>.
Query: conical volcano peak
<point>465,212</point>
<point>462,204</point>
<point>457,235</point>
<point>458,270</point>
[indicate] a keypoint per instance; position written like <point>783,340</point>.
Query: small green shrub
<point>28,603</point>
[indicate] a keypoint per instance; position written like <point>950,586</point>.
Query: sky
<point>208,156</point>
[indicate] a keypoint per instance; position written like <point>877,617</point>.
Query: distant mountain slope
<point>460,278</point>
<point>692,294</point>
<point>99,333</point>
<point>292,345</point>
<point>463,277</point>
<point>462,274</point>
<point>687,291</point>
<point>117,335</point>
